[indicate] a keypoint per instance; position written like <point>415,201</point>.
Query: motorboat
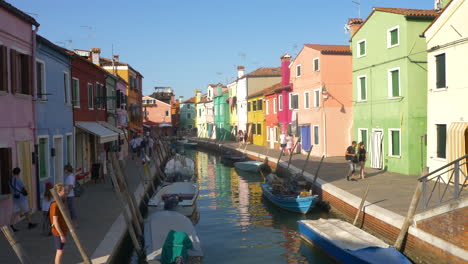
<point>179,168</point>
<point>186,194</point>
<point>298,203</point>
<point>250,166</point>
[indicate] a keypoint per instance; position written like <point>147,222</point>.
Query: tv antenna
<point>358,3</point>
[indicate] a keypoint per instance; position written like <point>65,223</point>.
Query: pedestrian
<point>134,146</point>
<point>70,181</point>
<point>289,144</point>
<point>362,157</point>
<point>245,136</point>
<point>59,226</point>
<point>45,206</point>
<point>143,145</point>
<point>20,200</point>
<point>241,136</point>
<point>138,145</point>
<point>283,142</point>
<point>150,146</point>
<point>352,159</point>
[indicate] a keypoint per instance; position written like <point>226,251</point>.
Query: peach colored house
<point>322,79</point>
<point>157,115</point>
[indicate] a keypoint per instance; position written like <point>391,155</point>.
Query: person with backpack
<point>45,206</point>
<point>20,200</point>
<point>70,181</point>
<point>352,159</point>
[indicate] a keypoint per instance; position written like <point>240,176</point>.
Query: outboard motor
<point>171,202</point>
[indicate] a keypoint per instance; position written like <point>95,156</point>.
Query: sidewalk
<point>388,190</point>
<point>97,209</point>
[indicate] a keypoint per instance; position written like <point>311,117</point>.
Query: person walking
<point>59,226</point>
<point>20,200</point>
<point>362,157</point>
<point>289,144</point>
<point>352,159</point>
<point>283,142</point>
<point>241,137</point>
<point>70,181</point>
<point>150,145</point>
<point>45,207</point>
<point>133,145</point>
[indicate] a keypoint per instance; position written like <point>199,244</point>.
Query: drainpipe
<point>34,112</point>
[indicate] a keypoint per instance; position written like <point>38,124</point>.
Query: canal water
<point>237,225</point>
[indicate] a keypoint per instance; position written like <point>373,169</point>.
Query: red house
<point>271,116</point>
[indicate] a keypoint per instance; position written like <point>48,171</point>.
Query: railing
<point>450,178</point>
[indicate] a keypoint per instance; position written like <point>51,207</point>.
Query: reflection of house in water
<point>223,186</point>
<point>244,193</point>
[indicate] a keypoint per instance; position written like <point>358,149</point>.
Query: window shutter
<point>395,84</point>
<point>394,37</point>
<point>28,81</point>
<point>395,143</point>
<point>362,48</point>
<point>441,141</point>
<point>440,71</point>
<point>14,72</point>
<point>363,89</point>
<point>3,69</point>
<point>118,97</point>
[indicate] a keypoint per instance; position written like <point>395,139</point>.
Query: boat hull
<point>250,166</point>
<point>294,204</point>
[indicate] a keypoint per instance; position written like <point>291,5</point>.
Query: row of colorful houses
<point>397,87</point>
<point>59,106</point>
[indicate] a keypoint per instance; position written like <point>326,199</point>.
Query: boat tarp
<point>381,255</point>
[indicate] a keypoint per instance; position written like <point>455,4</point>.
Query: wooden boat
<point>230,159</point>
<point>182,141</point>
<point>251,166</point>
<point>349,244</point>
<point>158,225</point>
<point>187,193</point>
<point>294,203</point>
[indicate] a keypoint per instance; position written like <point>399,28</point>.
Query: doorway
<point>58,159</point>
<point>24,162</point>
<point>376,149</point>
<point>5,170</point>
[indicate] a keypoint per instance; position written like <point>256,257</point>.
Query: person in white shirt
<point>283,142</point>
<point>134,145</point>
<point>70,180</point>
<point>289,144</point>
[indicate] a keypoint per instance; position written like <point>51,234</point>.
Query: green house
<point>390,88</point>
<point>221,113</point>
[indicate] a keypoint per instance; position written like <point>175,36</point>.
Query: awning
<point>165,125</point>
<point>111,127</point>
<point>456,142</point>
<point>145,125</point>
<point>105,135</point>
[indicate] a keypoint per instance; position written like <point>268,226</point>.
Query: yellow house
<point>256,119</point>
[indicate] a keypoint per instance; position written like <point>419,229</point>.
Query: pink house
<point>157,116</point>
<point>17,110</point>
<point>284,110</point>
<point>322,80</point>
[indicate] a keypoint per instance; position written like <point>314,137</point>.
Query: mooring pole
<point>290,154</point>
<point>318,169</point>
<point>307,160</point>
<point>361,205</point>
<point>10,236</point>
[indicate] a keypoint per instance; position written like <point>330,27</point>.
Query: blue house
<point>54,112</point>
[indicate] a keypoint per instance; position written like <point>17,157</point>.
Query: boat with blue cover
<point>251,166</point>
<point>297,203</point>
<point>348,243</point>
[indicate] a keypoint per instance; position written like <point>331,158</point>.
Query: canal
<point>237,225</point>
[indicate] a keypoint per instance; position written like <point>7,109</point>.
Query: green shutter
<point>395,143</point>
<point>440,71</point>
<point>363,88</point>
<point>362,48</point>
<point>364,137</point>
<point>394,37</point>
<point>42,158</point>
<point>259,129</point>
<point>395,83</point>
<point>316,135</point>
<point>441,141</point>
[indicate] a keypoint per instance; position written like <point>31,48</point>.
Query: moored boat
<point>251,166</point>
<point>186,194</point>
<point>298,203</point>
<point>179,168</point>
<point>190,144</point>
<point>349,244</point>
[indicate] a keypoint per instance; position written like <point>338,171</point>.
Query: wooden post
<point>277,163</point>
<point>318,169</point>
<point>128,221</point>
<point>66,216</point>
<point>307,160</point>
<point>409,217</point>
<point>290,154</point>
<point>10,236</point>
<point>361,205</point>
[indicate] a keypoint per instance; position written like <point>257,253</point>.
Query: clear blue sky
<point>188,44</point>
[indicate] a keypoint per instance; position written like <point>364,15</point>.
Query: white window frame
<point>47,157</point>
<point>68,98</point>
<point>267,134</point>
<point>280,102</point>
<point>316,96</point>
<point>72,148</point>
<point>306,96</point>
<point>358,48</point>
<point>360,136</point>
<point>267,107</point>
<point>92,88</point>
<point>44,86</point>
<point>318,129</point>
<point>298,73</point>
<point>389,37</point>
<point>78,92</point>
<point>290,100</point>
<point>318,64</point>
<point>390,142</point>
<point>274,106</point>
<point>359,99</point>
<point>389,83</point>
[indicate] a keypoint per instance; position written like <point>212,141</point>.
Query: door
<point>272,137</point>
<point>376,151</point>
<point>24,162</point>
<point>58,160</point>
<point>305,134</point>
<point>5,170</point>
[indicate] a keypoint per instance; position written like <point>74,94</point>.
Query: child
<point>46,200</point>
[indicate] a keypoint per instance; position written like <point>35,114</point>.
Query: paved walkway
<point>97,209</point>
<point>388,190</point>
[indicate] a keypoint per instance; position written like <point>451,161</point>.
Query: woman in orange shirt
<point>59,227</point>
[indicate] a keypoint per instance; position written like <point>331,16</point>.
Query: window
<point>394,142</point>
<point>274,105</point>
<point>277,134</point>
<point>43,157</point>
<point>260,105</point>
<point>69,143</point>
<point>316,65</point>
<point>441,141</point>
<point>167,113</point>
<point>90,96</point>
<point>306,100</point>
<point>190,126</point>
<point>317,98</point>
<point>362,136</point>
<point>361,48</point>
<point>293,101</point>
<point>199,113</point>
<point>189,116</point>
<point>267,107</point>
<point>280,103</point>
<point>394,83</point>
<point>66,88</point>
<point>440,71</point>
<point>3,69</point>
<point>209,93</point>
<point>298,70</point>
<point>248,106</point>
<point>76,92</point>
<point>100,96</point>
<point>362,88</point>
<point>40,80</point>
<point>393,37</point>
<point>188,106</point>
<point>268,133</point>
<point>20,65</point>
<point>316,135</point>
<point>254,129</point>
<point>259,129</point>
<point>254,105</point>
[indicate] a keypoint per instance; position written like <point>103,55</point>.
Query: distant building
<point>187,115</point>
<point>157,116</point>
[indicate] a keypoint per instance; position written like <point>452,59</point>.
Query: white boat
<point>186,191</point>
<point>252,165</point>
<point>179,168</point>
<point>158,225</point>
<point>182,141</point>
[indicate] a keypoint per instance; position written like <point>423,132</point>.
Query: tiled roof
<point>355,21</point>
<point>409,12</point>
<point>266,91</point>
<point>265,72</point>
<point>76,56</point>
<point>330,49</point>
<point>204,99</point>
<point>440,14</point>
<point>191,100</point>
<point>20,14</point>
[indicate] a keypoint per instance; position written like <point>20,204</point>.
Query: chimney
<point>197,96</point>
<point>285,71</point>
<point>95,55</point>
<point>240,71</point>
<point>116,58</point>
<point>354,24</point>
<point>181,99</point>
